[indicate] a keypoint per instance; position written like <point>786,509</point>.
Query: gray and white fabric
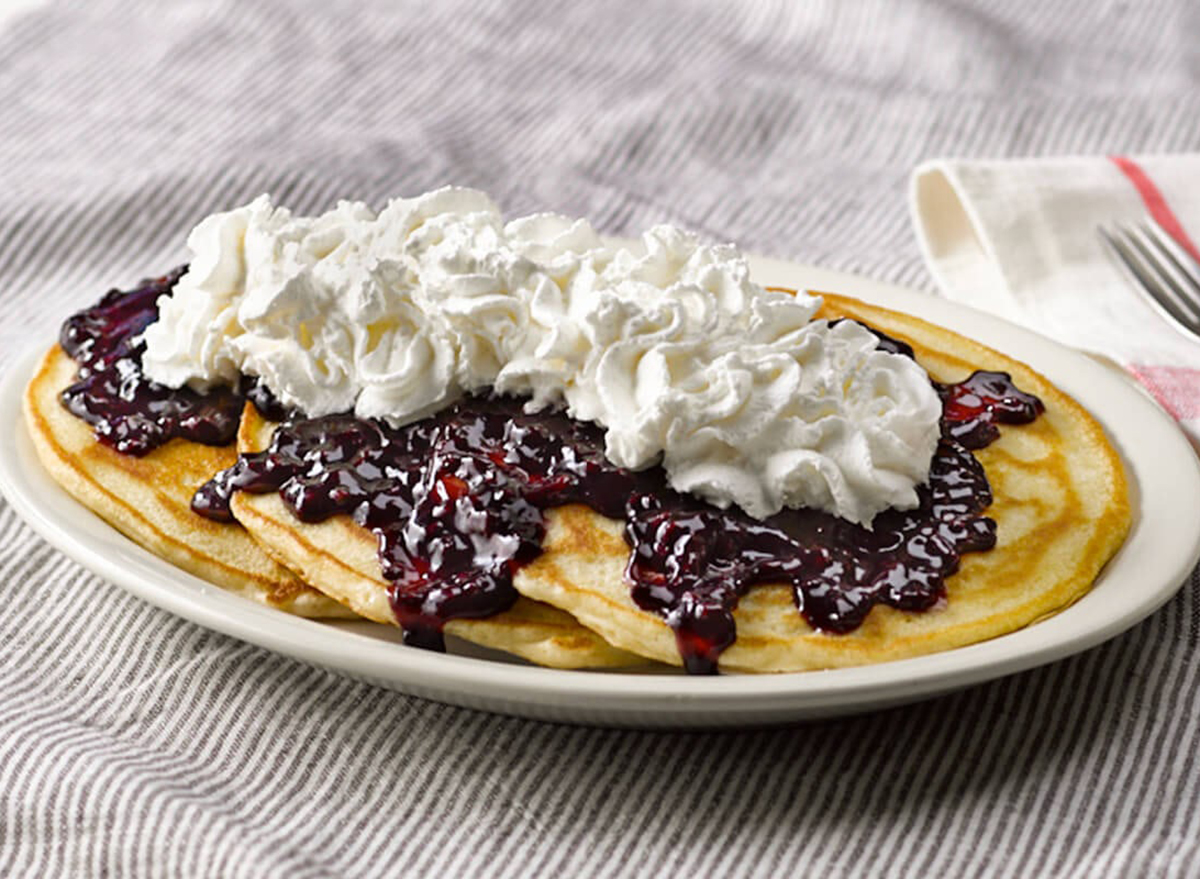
<point>135,744</point>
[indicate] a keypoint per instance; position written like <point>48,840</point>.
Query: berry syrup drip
<point>971,408</point>
<point>455,501</point>
<point>127,410</point>
<point>691,562</point>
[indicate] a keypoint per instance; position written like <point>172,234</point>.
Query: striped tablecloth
<point>135,744</point>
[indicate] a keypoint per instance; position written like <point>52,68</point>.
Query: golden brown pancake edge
<point>148,499</point>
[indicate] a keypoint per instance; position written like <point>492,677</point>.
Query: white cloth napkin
<point>1019,238</point>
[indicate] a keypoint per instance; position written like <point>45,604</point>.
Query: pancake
<point>148,499</point>
<point>339,557</point>
<point>1060,504</point>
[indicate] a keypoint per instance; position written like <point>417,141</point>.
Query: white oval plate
<point>1161,551</point>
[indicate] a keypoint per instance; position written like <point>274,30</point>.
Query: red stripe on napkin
<point>1155,202</point>
<point>1177,388</point>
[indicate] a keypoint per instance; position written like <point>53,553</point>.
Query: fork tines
<point>1160,267</point>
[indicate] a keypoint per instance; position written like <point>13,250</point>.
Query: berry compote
<point>127,410</point>
<point>457,501</point>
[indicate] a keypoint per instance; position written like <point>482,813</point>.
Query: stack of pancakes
<point>1060,504</point>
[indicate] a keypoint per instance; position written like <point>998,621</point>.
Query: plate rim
<point>1148,440</point>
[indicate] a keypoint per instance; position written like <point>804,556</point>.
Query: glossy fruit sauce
<point>457,501</point>
<point>127,411</point>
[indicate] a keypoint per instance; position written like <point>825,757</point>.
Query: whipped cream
<point>666,343</point>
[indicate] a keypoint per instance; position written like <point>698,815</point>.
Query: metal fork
<point>1161,268</point>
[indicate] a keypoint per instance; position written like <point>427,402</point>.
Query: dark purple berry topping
<point>972,408</point>
<point>455,500</point>
<point>128,411</point>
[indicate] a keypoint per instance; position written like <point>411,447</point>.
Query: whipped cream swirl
<point>666,343</point>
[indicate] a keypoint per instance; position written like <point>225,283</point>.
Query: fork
<point>1161,268</point>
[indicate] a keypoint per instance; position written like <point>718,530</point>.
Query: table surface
<point>133,743</point>
<point>11,8</point>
